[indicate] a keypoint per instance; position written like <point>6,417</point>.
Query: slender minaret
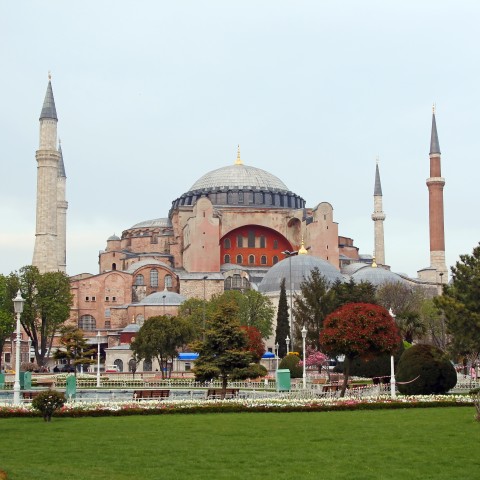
<point>378,218</point>
<point>435,186</point>
<point>45,252</point>
<point>62,207</point>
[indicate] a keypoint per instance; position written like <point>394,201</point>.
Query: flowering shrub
<point>48,402</point>
<point>154,407</point>
<point>314,358</point>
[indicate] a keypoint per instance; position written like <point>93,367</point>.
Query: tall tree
<point>460,303</point>
<point>312,305</point>
<point>74,347</point>
<point>224,352</point>
<point>8,289</point>
<point>283,328</point>
<point>160,337</point>
<point>47,307</point>
<point>351,292</point>
<point>255,343</point>
<point>358,330</point>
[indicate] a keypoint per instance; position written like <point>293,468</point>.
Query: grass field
<point>434,443</point>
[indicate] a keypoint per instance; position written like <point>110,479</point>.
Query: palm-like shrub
<point>425,370</point>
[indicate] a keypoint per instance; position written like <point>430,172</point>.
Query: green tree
<point>160,337</point>
<point>74,347</point>
<point>8,290</point>
<point>254,309</point>
<point>312,305</point>
<point>283,328</point>
<point>47,307</point>
<point>223,354</point>
<point>358,330</point>
<point>193,311</point>
<point>351,292</point>
<point>460,303</point>
<point>406,303</point>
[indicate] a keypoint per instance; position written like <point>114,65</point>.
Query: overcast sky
<point>151,95</point>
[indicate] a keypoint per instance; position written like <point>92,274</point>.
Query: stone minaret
<point>62,206</point>
<point>435,197</point>
<point>378,218</point>
<point>45,255</point>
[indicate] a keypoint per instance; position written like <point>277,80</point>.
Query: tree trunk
<point>346,374</point>
<point>224,386</point>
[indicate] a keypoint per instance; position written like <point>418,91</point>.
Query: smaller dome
<point>297,269</point>
<point>376,276</point>
<point>163,298</point>
<point>113,238</point>
<point>156,222</point>
<point>132,327</point>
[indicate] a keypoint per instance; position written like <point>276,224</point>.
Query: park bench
<point>216,393</point>
<point>150,394</point>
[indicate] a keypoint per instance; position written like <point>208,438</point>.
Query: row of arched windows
<point>251,260</point>
<point>227,243</point>
<point>140,279</point>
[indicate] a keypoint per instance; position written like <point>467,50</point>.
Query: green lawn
<point>433,443</point>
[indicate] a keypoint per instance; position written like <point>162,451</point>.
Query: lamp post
<point>18,302</point>
<point>277,346</point>
<point>289,255</point>
<point>393,385</point>
<point>204,301</point>
<point>287,340</point>
<point>304,336</point>
<point>98,359</point>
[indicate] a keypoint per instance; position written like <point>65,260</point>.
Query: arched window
<point>153,277</point>
<point>263,241</point>
<point>227,259</point>
<point>228,283</point>
<point>239,259</point>
<point>236,282</point>
<point>139,319</point>
<point>168,281</point>
<point>239,241</point>
<point>119,364</point>
<point>251,259</point>
<point>275,260</point>
<point>226,243</point>
<point>114,266</point>
<point>139,280</point>
<point>263,260</point>
<point>87,322</point>
<point>147,366</point>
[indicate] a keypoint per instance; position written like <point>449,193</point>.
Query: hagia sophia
<point>236,227</point>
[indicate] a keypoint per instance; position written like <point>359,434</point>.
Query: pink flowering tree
<point>314,358</point>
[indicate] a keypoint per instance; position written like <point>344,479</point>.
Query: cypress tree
<point>283,327</point>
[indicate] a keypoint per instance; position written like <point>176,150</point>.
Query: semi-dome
<point>239,176</point>
<point>163,298</point>
<point>156,222</point>
<point>300,267</point>
<point>376,276</point>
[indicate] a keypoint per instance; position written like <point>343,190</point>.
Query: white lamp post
<point>287,340</point>
<point>289,255</point>
<point>393,385</point>
<point>98,359</point>
<point>304,336</point>
<point>18,302</point>
<point>277,346</point>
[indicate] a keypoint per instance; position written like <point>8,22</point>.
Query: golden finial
<point>133,318</point>
<point>49,75</point>
<point>374,263</point>
<point>302,250</point>
<point>238,161</point>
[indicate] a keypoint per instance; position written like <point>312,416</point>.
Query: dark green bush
<point>291,362</point>
<point>425,370</point>
<point>47,402</point>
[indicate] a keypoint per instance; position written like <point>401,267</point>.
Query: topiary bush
<point>435,372</point>
<point>47,402</point>
<point>291,362</point>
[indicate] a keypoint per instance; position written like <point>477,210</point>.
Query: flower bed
<point>91,409</point>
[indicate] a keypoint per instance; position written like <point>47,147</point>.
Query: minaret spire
<point>45,255</point>
<point>378,218</point>
<point>435,186</point>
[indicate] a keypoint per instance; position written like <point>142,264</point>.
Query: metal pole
<point>304,335</point>
<point>18,305</point>
<point>98,359</point>
<point>291,303</point>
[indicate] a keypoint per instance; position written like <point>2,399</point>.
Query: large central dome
<point>239,176</point>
